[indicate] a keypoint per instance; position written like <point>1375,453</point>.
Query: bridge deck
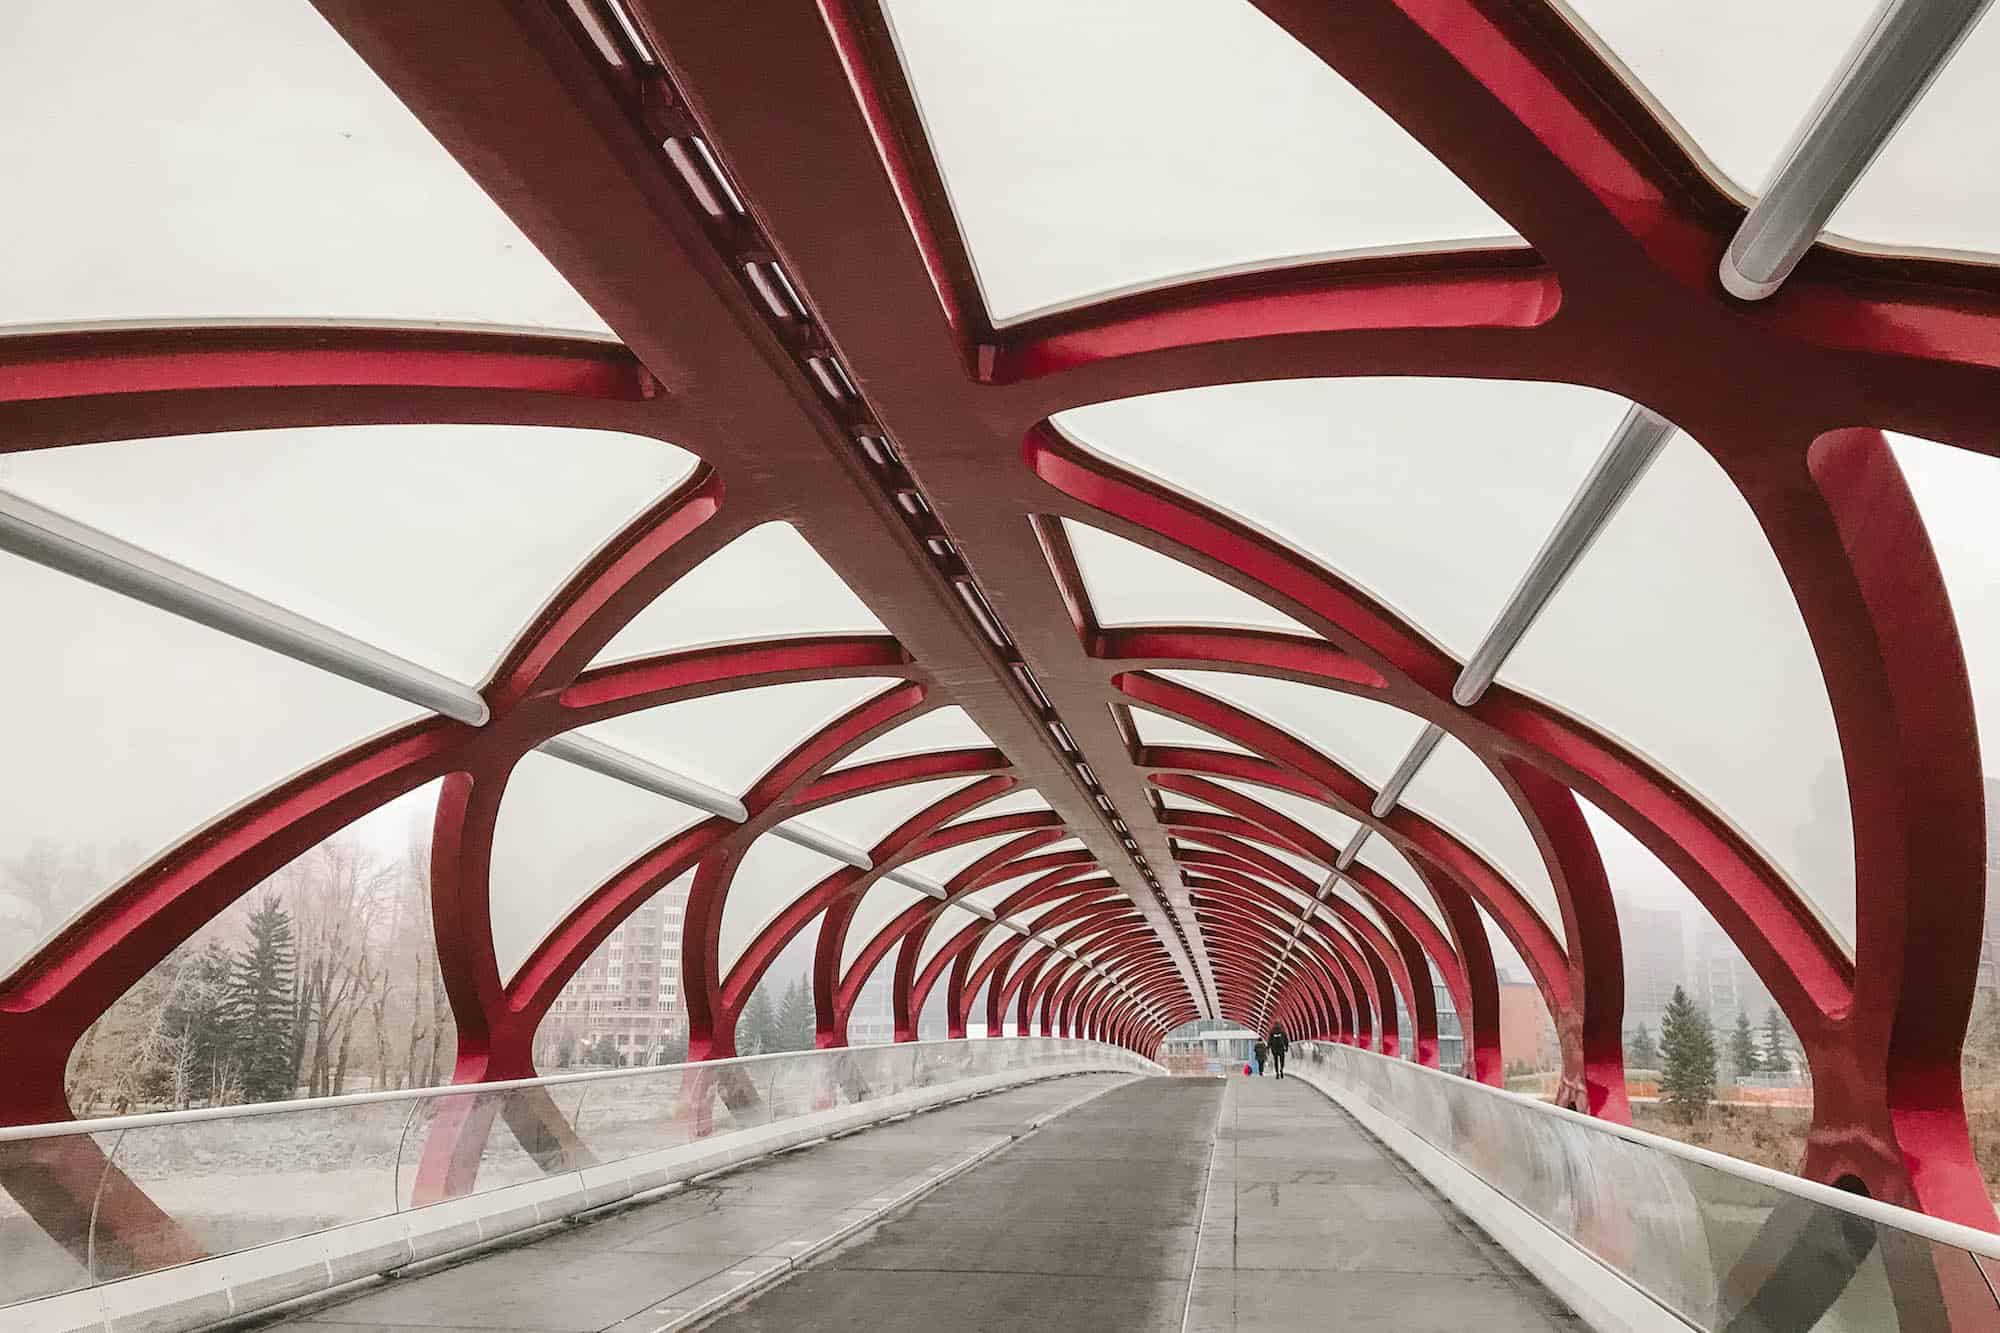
<point>1310,1224</point>
<point>1161,1204</point>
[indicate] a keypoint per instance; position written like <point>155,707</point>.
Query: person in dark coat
<point>1280,1043</point>
<point>1263,1054</point>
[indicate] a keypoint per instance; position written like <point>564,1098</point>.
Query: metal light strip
<point>57,542</point>
<point>608,761</point>
<point>611,762</point>
<point>1885,73</point>
<point>1633,446</point>
<point>1406,772</point>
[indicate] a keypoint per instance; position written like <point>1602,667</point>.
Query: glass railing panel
<point>1724,1245</point>
<point>651,1112</point>
<point>211,1186</point>
<point>49,1189</point>
<point>83,1207</point>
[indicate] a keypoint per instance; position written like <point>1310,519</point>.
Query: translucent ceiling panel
<point>1129,584</point>
<point>774,873</point>
<point>1034,916</point>
<point>562,832</point>
<point>1354,898</point>
<point>1312,870</point>
<point>1159,729</point>
<point>1923,191</point>
<point>127,729</point>
<point>993,895</point>
<point>866,820</point>
<point>439,543</point>
<point>1056,124</point>
<point>941,866</point>
<point>951,923</point>
<point>1383,858</point>
<point>1332,933</point>
<point>1023,801</point>
<point>1678,635</point>
<point>1365,737</point>
<point>236,159</point>
<point>729,740</point>
<point>1430,495</point>
<point>1454,790</point>
<point>767,584</point>
<point>1299,901</point>
<point>1324,820</point>
<point>946,926</point>
<point>1958,493</point>
<point>945,728</point>
<point>990,944</point>
<point>1734,79</point>
<point>883,903</point>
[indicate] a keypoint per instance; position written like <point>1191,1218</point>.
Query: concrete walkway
<point>1161,1204</point>
<point>658,1264</point>
<point>1089,1224</point>
<point>1310,1224</point>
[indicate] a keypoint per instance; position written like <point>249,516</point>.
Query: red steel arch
<point>1616,292</point>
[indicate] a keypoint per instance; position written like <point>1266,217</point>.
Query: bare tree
<point>336,894</point>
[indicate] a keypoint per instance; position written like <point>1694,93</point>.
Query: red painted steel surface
<point>1616,292</point>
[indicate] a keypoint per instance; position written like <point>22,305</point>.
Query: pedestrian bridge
<point>527,526</point>
<point>1011,1183</point>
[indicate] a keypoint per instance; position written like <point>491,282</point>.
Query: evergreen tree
<point>797,1025</point>
<point>604,1051</point>
<point>1640,1053</point>
<point>1687,1049</point>
<point>259,1008</point>
<point>1775,1059</point>
<point>1743,1047</point>
<point>673,1051</point>
<point>191,1041</point>
<point>756,1031</point>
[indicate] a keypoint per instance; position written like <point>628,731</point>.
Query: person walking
<point>1263,1054</point>
<point>1280,1043</point>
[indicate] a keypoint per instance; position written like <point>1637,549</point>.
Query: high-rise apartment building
<point>629,991</point>
<point>1989,941</point>
<point>1655,962</point>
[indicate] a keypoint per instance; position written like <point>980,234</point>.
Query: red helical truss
<point>805,104</point>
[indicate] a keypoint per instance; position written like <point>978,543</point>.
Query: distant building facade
<point>1655,963</point>
<point>873,1019</point>
<point>629,991</point>
<point>1988,980</point>
<point>1527,1034</point>
<point>1724,983</point>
